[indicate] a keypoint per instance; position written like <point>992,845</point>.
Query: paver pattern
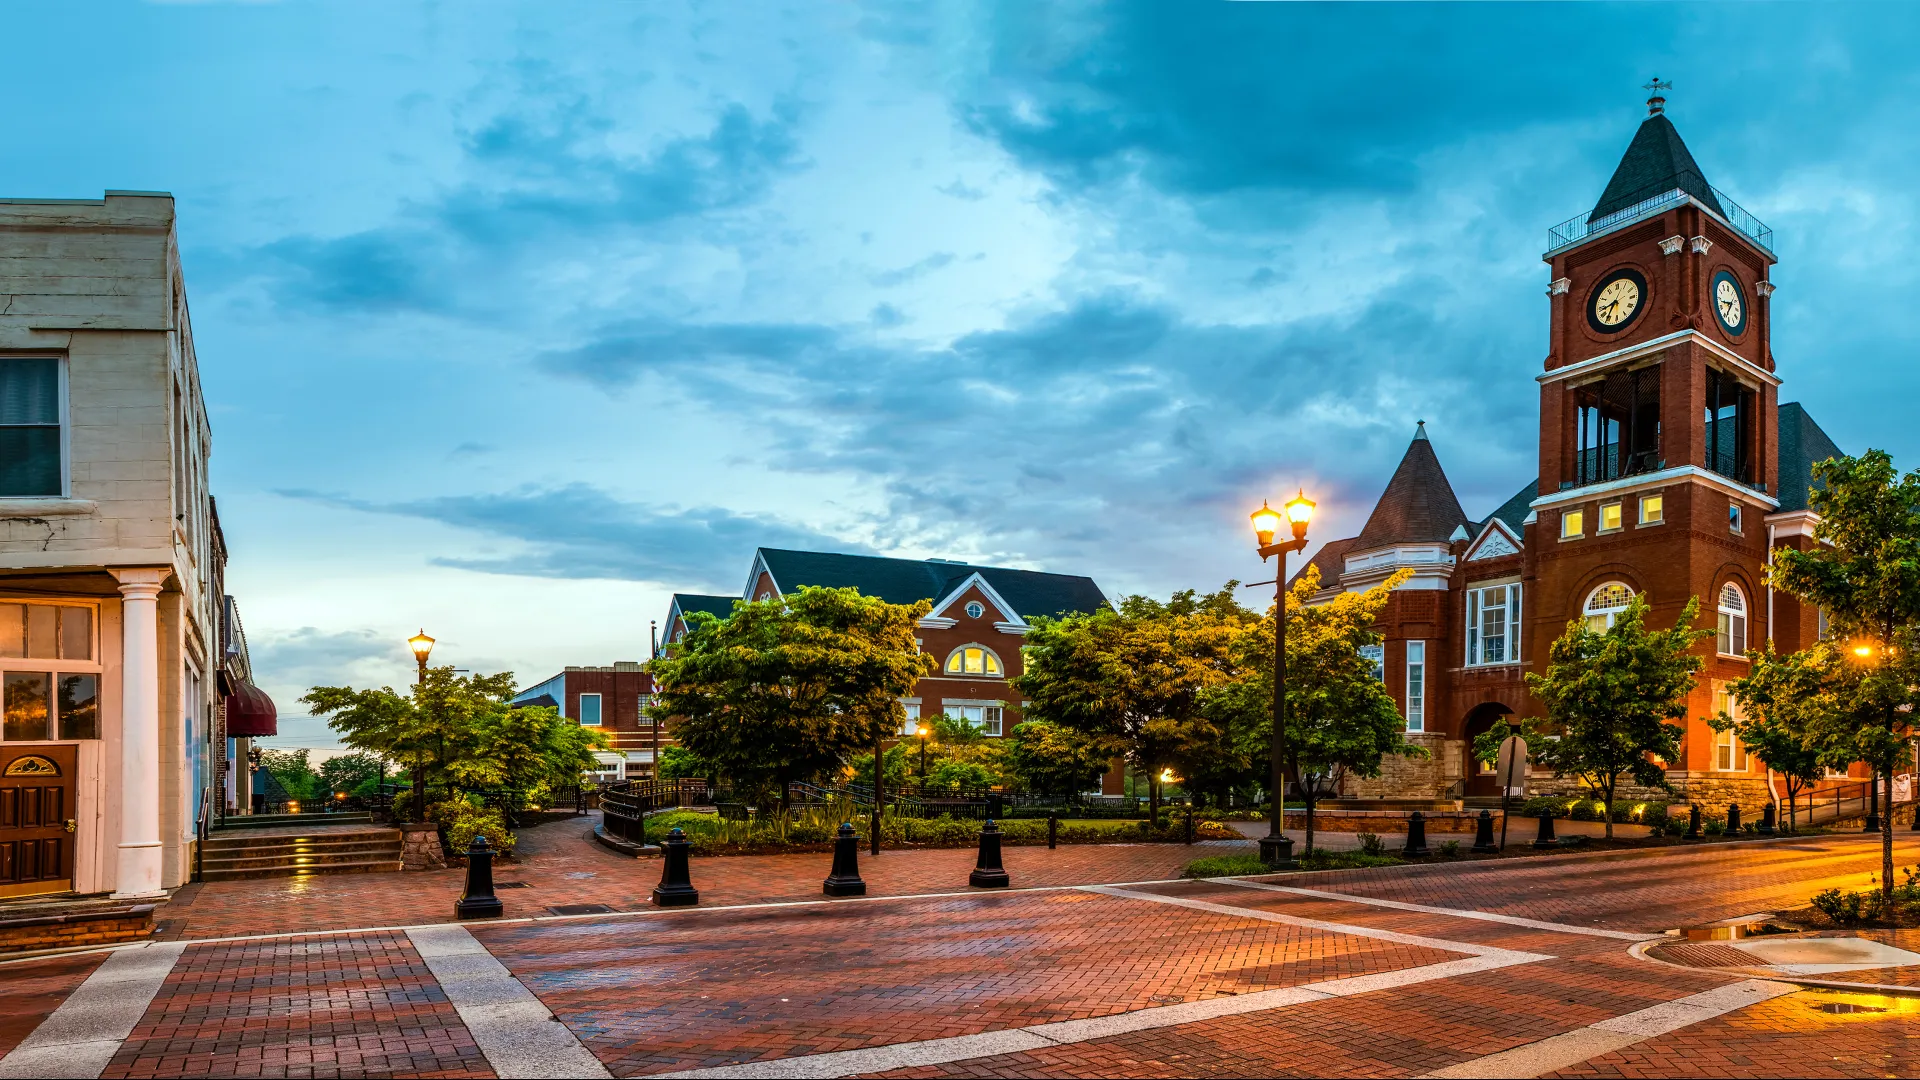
<point>1788,1036</point>
<point>363,1005</point>
<point>562,866</point>
<point>743,986</point>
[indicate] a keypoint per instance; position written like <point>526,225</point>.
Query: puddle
<point>1841,1007</point>
<point>1823,955</point>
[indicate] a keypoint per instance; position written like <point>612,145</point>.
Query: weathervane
<point>1656,104</point>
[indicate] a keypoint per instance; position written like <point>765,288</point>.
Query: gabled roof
<point>688,603</point>
<point>1513,513</point>
<point>1801,444</point>
<point>1419,506</point>
<point>1656,161</point>
<point>907,581</point>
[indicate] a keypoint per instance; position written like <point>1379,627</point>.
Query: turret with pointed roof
<point>1657,161</point>
<point>1419,506</point>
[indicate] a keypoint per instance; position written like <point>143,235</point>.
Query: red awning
<point>250,712</point>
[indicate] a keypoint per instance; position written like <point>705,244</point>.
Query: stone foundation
<point>1713,793</point>
<point>420,847</point>
<point>1387,821</point>
<point>1413,778</point>
<point>72,931</point>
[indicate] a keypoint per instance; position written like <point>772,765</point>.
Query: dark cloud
<point>579,531</point>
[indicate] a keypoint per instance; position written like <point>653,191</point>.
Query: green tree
<point>1340,717</point>
<point>1865,574</point>
<point>1133,682</point>
<point>680,763</point>
<point>428,733</point>
<point>789,688</point>
<point>294,773</point>
<point>1609,696</point>
<point>531,749</point>
<point>353,774</point>
<point>1785,701</point>
<point>1052,759</point>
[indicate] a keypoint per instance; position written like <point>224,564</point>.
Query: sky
<point>513,320</point>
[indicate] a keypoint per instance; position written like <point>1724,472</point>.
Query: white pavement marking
<point>519,1036</point>
<point>80,1037</point>
<point>1587,1043</point>
<point>1458,913</point>
<point>1016,1040</point>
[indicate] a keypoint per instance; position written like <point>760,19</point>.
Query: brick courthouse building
<point>1668,468</point>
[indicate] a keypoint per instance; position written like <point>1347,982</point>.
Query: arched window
<point>1733,620</point>
<point>973,660</point>
<point>1605,604</point>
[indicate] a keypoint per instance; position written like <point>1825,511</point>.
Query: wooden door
<point>36,819</point>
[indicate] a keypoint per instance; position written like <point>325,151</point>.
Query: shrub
<point>1370,843</point>
<point>461,821</point>
<point>1842,908</point>
<point>1451,849</point>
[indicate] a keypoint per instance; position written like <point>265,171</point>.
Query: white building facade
<point>109,588</point>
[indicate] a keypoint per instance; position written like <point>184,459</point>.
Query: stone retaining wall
<point>74,930</point>
<point>1387,821</point>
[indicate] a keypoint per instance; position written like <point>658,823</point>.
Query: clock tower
<point>1658,415</point>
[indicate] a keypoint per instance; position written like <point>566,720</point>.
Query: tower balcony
<point>1650,202</point>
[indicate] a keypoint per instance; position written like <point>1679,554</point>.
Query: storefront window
<point>47,702</point>
<point>27,704</point>
<point>79,706</point>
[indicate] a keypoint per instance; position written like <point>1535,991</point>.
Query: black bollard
<point>845,878</point>
<point>987,871</point>
<point>1766,820</point>
<point>1416,835</point>
<point>1483,836</point>
<point>1733,819</point>
<point>1693,822</point>
<point>478,901</point>
<point>1189,823</point>
<point>676,878</point>
<point>1053,831</point>
<point>1545,837</point>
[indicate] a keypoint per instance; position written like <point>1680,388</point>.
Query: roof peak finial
<point>1656,104</point>
<point>1419,429</point>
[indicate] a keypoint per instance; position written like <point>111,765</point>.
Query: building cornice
<point>1683,474</point>
<point>1647,348</point>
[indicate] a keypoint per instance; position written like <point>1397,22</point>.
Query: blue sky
<point>514,320</point>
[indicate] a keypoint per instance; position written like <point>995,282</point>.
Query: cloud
<point>889,278</point>
<point>580,531</point>
<point>959,190</point>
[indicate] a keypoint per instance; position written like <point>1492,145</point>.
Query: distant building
<point>980,614</point>
<point>612,700</point>
<point>112,645</point>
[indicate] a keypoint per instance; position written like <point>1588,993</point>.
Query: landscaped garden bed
<point>814,831</point>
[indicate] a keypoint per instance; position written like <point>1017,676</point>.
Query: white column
<point>139,774</point>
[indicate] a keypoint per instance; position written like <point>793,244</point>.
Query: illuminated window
<point>1653,509</point>
<point>1729,754</point>
<point>973,660</point>
<point>1610,517</point>
<point>1733,621</point>
<point>1605,604</point>
<point>1572,523</point>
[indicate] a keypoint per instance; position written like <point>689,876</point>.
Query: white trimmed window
<point>1729,754</point>
<point>1493,625</point>
<point>1733,517</point>
<point>1610,518</point>
<point>1416,686</point>
<point>1377,656</point>
<point>1653,509</point>
<point>1572,523</point>
<point>973,660</point>
<point>49,672</point>
<point>1733,621</point>
<point>975,609</point>
<point>1605,604</point>
<point>31,442</point>
<point>911,725</point>
<point>985,717</point>
<point>589,710</point>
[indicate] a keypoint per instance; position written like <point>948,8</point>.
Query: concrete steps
<point>298,821</point>
<point>333,849</point>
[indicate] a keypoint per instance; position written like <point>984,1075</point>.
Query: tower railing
<point>1650,201</point>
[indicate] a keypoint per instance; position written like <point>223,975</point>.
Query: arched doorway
<point>1480,778</point>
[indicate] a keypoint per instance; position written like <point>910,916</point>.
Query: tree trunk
<point>420,792</point>
<point>1886,839</point>
<point>1307,794</point>
<point>1153,798</point>
<point>1606,809</point>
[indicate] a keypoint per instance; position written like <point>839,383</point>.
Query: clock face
<point>1729,303</point>
<point>1617,301</point>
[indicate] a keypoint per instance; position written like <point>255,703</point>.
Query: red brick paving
<point>1788,1036</point>
<point>678,992</point>
<point>563,866</point>
<point>31,990</point>
<point>363,1005</point>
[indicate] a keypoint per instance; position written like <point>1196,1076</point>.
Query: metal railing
<point>624,806</point>
<point>1839,801</point>
<point>1652,201</point>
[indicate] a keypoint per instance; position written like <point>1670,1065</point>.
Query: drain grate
<point>1703,956</point>
<point>1847,1007</point>
<point>511,885</point>
<point>580,909</point>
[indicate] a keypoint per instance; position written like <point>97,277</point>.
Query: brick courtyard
<point>1403,971</point>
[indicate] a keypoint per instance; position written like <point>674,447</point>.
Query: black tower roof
<point>1656,161</point>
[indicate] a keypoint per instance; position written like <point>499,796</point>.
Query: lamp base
<point>1277,852</point>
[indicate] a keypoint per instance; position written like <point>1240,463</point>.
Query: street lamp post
<point>1276,850</point>
<point>421,645</point>
<point>925,733</point>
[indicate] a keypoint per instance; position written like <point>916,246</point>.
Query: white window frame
<point>975,609</point>
<point>1733,618</point>
<point>55,668</point>
<point>63,413</point>
<point>1726,742</point>
<point>1476,624</point>
<point>1588,612</point>
<point>1573,523</point>
<point>990,660</point>
<point>1416,710</point>
<point>988,716</point>
<point>1734,514</point>
<point>599,708</point>
<point>1658,501</point>
<point>1619,510</point>
<point>911,725</point>
<point>1378,655</point>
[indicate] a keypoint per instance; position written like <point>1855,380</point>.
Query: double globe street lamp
<point>1276,850</point>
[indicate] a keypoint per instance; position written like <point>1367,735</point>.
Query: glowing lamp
<point>1166,776</point>
<point>1299,513</point>
<point>1863,650</point>
<point>1266,522</point>
<point>421,645</point>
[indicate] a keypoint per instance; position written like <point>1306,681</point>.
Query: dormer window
<point>973,660</point>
